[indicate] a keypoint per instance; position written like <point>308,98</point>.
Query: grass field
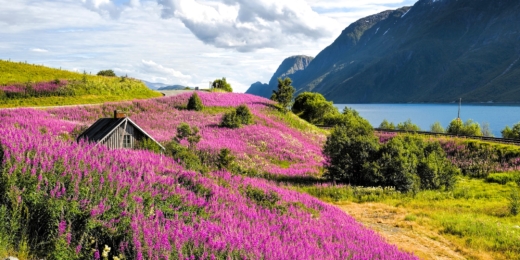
<point>81,88</point>
<point>475,217</point>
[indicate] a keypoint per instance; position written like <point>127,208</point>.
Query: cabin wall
<point>117,138</point>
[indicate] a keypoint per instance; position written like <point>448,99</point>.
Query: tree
<point>408,126</point>
<point>313,107</point>
<point>222,84</point>
<point>284,94</point>
<point>347,155</point>
<point>512,133</point>
<point>468,128</point>
<point>106,73</point>
<point>194,103</point>
<point>436,128</point>
<point>387,125</point>
<point>486,130</point>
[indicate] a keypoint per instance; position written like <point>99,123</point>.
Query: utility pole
<point>458,115</point>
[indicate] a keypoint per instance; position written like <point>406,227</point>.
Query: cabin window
<point>127,141</point>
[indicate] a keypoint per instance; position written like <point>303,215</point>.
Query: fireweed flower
<point>165,211</point>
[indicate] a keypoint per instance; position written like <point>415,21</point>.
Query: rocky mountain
<point>435,51</point>
<point>290,67</point>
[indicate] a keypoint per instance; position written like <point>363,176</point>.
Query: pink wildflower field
<point>147,206</point>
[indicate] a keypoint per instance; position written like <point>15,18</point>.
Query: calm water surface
<point>424,115</point>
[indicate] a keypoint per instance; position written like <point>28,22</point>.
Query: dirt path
<point>409,236</point>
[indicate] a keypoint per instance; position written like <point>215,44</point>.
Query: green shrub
<point>106,73</point>
<point>408,126</point>
<point>194,103</point>
<point>313,107</point>
<point>468,128</point>
<point>222,84</point>
<point>503,178</point>
<point>512,133</point>
<point>149,144</point>
<point>225,159</point>
<point>263,199</point>
<point>190,134</point>
<point>230,120</point>
<point>238,117</point>
<point>387,125</point>
<point>437,128</point>
<point>244,115</point>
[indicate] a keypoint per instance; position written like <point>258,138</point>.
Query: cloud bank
<point>246,25</point>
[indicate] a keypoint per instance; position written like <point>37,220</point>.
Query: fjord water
<point>424,115</point>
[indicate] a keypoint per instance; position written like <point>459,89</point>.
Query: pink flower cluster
<point>258,146</point>
<point>36,88</point>
<point>172,212</point>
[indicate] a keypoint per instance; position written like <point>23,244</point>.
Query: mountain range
<point>434,51</point>
<point>162,86</point>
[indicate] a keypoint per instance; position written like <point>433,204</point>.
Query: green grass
<point>18,72</point>
<point>85,89</point>
<point>475,215</point>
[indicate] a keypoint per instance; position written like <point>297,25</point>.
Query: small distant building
<point>117,132</point>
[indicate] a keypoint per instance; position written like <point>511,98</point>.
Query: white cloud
<point>154,68</point>
<point>144,45</point>
<point>39,50</point>
<point>247,25</point>
<point>108,8</point>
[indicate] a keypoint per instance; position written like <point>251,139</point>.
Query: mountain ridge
<point>433,52</point>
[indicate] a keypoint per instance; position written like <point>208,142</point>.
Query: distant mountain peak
<point>290,67</point>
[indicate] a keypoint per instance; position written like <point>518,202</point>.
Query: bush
<point>194,103</point>
<point>149,144</point>
<point>230,120</point>
<point>512,133</point>
<point>225,159</point>
<point>244,115</point>
<point>408,126</point>
<point>190,134</point>
<point>312,107</point>
<point>238,117</point>
<point>437,128</point>
<point>106,73</point>
<point>503,178</point>
<point>405,162</point>
<point>348,153</point>
<point>222,84</point>
<point>387,125</point>
<point>468,128</point>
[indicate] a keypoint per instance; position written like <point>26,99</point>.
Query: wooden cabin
<point>117,132</point>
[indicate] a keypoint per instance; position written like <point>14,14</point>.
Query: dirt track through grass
<point>390,222</point>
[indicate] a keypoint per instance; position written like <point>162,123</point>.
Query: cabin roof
<point>102,128</point>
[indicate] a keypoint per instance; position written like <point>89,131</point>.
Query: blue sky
<point>188,42</point>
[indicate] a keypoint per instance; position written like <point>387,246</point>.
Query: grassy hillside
<point>66,200</point>
<point>34,85</point>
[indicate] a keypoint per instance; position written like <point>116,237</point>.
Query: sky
<point>186,42</point>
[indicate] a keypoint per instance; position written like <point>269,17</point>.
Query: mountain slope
<point>435,51</point>
<point>290,67</point>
